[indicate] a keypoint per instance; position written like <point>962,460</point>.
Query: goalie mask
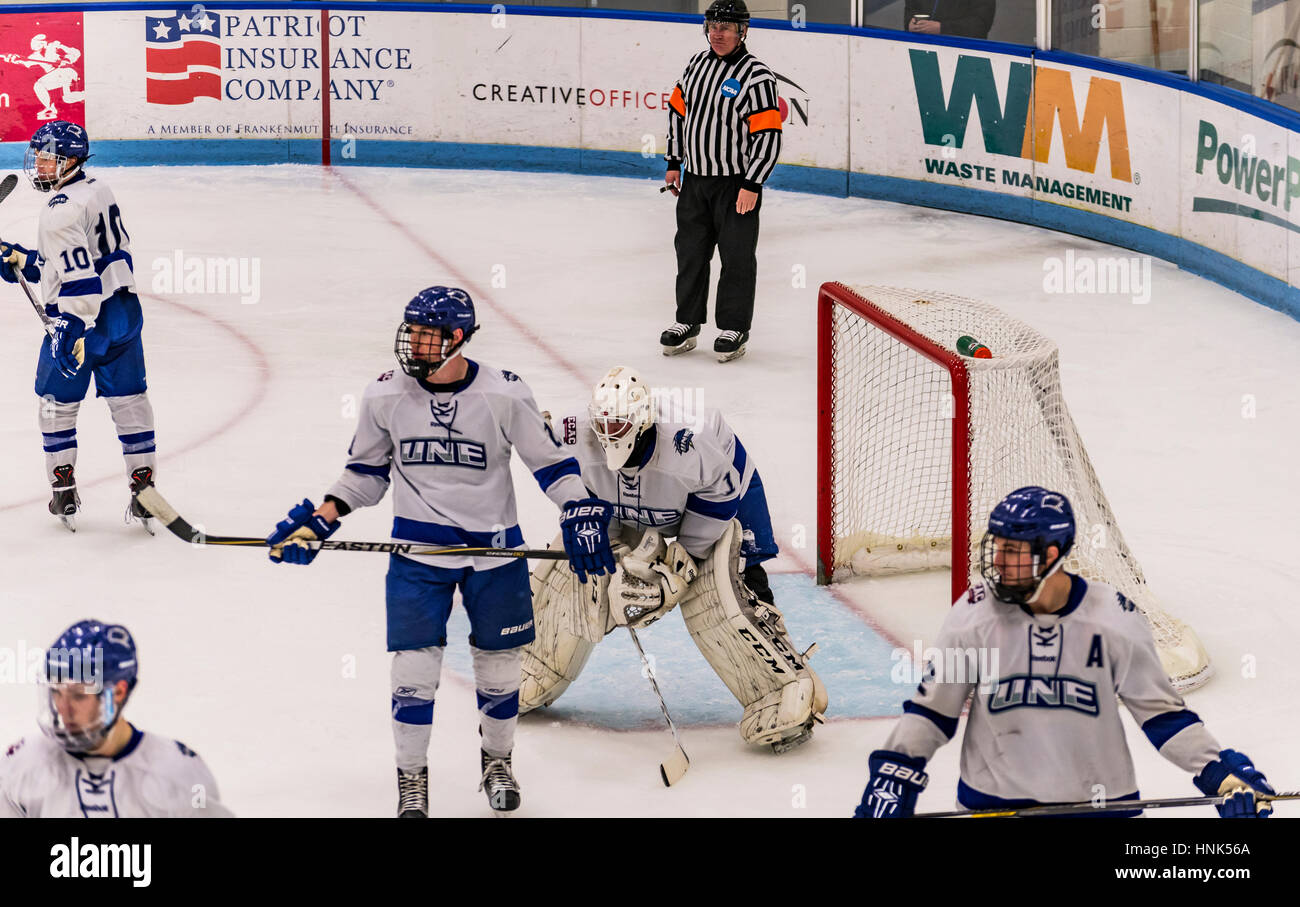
<point>80,680</point>
<point>1013,552</point>
<point>621,411</point>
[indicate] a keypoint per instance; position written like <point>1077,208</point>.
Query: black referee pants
<point>706,217</point>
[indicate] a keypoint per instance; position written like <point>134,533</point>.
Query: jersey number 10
<point>115,224</point>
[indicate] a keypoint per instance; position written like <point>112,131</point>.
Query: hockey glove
<point>1233,775</point>
<point>585,525</point>
<point>289,541</point>
<point>643,590</point>
<point>895,783</point>
<point>67,346</point>
<point>15,257</point>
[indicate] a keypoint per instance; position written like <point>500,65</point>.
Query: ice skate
<point>134,512</point>
<point>730,345</point>
<point>680,338</point>
<point>499,784</point>
<point>65,502</point>
<point>413,794</point>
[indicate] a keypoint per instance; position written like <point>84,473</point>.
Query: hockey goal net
<point>917,443</point>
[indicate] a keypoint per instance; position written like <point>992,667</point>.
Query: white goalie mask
<point>621,410</point>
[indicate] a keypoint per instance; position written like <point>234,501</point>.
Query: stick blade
<point>674,767</point>
<point>7,185</point>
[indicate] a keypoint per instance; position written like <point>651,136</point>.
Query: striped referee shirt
<point>723,118</point>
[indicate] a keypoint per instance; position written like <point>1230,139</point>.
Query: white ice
<point>278,675</point>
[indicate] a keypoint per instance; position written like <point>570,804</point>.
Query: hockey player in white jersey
<point>441,431</point>
<point>83,263</point>
<point>91,762</point>
<point>696,484</point>
<point>1046,728</point>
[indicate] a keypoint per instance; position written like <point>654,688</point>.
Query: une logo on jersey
<point>1029,691</point>
<point>443,452</point>
<point>646,516</point>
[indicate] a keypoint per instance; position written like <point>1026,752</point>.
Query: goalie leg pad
<point>746,643</point>
<point>569,618</point>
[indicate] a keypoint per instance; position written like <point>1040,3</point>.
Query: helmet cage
<point>1021,593</point>
<point>416,366</point>
<point>65,168</point>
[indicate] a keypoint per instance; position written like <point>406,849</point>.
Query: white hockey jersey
<point>153,777</point>
<point>689,483</point>
<point>1044,721</point>
<point>85,249</point>
<point>448,457</point>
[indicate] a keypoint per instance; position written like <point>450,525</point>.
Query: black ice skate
<point>730,345</point>
<point>65,502</point>
<point>499,784</point>
<point>413,794</point>
<point>134,512</point>
<point>680,338</point>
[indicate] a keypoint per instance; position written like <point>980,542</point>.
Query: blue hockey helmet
<point>55,154</point>
<point>445,308</point>
<point>1035,515</point>
<point>88,660</point>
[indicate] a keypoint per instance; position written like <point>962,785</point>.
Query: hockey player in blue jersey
<point>82,262</point>
<point>1047,728</point>
<point>441,431</point>
<point>696,484</point>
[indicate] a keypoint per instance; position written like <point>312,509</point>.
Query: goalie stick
<point>1085,807</point>
<point>157,505</point>
<point>79,348</point>
<point>672,769</point>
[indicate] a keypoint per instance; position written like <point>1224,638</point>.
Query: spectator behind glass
<point>957,18</point>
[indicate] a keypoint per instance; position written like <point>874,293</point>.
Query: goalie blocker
<point>743,638</point>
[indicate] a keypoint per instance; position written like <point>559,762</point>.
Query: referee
<point>724,129</point>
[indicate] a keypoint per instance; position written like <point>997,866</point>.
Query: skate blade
<point>149,526</point>
<point>784,746</point>
<point>727,357</point>
<point>69,521</point>
<point>684,347</point>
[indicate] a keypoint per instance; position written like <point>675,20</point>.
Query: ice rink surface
<point>278,676</point>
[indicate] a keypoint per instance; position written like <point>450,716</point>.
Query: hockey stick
<point>158,507</point>
<point>677,764</point>
<point>1085,807</point>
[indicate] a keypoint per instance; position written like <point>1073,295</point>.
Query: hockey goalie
<point>690,529</point>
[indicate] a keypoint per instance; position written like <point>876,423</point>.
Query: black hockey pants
<point>706,217</point>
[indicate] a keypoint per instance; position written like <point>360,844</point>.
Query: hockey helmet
<point>65,144</point>
<point>446,308</point>
<point>88,659</point>
<point>621,411</point>
<point>1035,515</point>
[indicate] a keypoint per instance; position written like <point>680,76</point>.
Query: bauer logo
<point>730,88</point>
<point>1023,123</point>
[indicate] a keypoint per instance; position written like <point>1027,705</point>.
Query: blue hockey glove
<point>1233,773</point>
<point>288,542</point>
<point>67,346</point>
<point>895,783</point>
<point>585,525</point>
<point>14,256</point>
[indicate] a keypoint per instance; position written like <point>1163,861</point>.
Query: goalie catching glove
<point>649,581</point>
<point>289,540</point>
